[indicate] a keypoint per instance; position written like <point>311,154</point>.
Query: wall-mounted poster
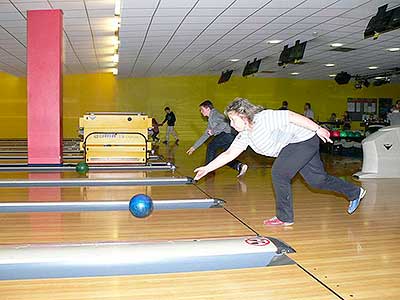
<point>360,108</point>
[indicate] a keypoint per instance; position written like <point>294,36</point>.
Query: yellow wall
<point>86,93</point>
<point>104,92</point>
<point>183,95</point>
<point>13,106</point>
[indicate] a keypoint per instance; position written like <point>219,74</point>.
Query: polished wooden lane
<point>285,282</point>
<point>356,256</point>
<point>92,192</point>
<point>24,228</point>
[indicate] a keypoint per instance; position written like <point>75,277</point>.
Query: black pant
<point>154,136</point>
<point>222,142</point>
<point>303,157</point>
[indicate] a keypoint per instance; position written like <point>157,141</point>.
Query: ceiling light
<point>294,73</point>
<point>336,45</point>
<point>115,58</point>
<point>329,65</point>
<point>393,49</point>
<point>116,43</point>
<point>117,10</point>
<point>373,67</point>
<point>274,41</point>
<point>234,59</point>
<point>116,23</point>
<point>332,75</point>
<point>379,77</point>
<point>114,40</point>
<point>115,71</point>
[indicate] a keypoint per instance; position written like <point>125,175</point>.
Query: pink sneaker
<point>274,221</point>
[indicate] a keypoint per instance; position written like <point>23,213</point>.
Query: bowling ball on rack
<point>335,133</point>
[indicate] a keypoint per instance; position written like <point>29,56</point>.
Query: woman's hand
<point>201,172</point>
<point>324,135</point>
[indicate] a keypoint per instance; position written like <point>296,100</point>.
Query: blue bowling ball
<point>141,206</point>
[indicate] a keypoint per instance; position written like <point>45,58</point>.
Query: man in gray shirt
<point>219,128</point>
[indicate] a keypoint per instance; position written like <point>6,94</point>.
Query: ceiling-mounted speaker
<point>342,78</point>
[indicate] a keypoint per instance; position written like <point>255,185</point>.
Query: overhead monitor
<point>251,67</point>
<point>225,76</point>
<point>293,54</point>
<point>284,57</point>
<point>383,21</point>
<point>297,51</point>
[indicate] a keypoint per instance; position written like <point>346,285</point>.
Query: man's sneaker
<point>177,142</point>
<point>356,202</point>
<point>274,221</point>
<point>165,142</point>
<point>242,169</point>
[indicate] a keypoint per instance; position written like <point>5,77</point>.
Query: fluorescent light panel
<point>117,10</point>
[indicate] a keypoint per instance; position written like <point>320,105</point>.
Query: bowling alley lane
<point>93,193</point>
<point>90,226</point>
<point>28,228</point>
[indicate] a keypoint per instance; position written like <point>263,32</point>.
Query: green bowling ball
<point>350,134</point>
<point>357,134</point>
<point>82,167</point>
<point>343,134</point>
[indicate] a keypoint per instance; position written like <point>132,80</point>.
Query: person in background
<point>346,121</point>
<point>222,134</point>
<point>394,116</point>
<point>396,107</point>
<point>294,141</point>
<point>332,121</point>
<point>155,130</point>
<point>332,118</point>
<point>308,112</point>
<point>170,119</point>
<point>285,106</point>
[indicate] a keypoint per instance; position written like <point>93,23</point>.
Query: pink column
<point>44,76</point>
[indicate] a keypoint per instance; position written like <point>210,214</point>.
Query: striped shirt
<point>270,133</point>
